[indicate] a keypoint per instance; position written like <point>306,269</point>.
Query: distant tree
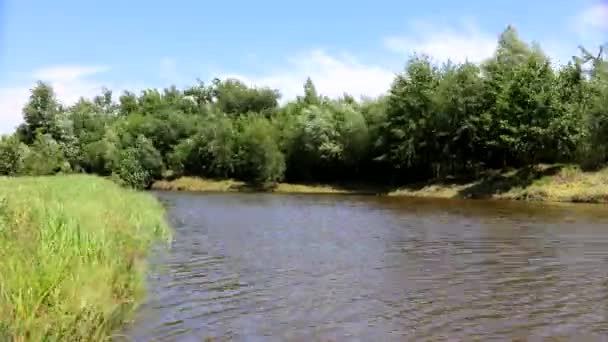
<point>514,109</point>
<point>410,134</point>
<point>310,93</point>
<point>233,97</point>
<point>39,113</point>
<point>260,159</point>
<point>210,152</point>
<point>128,103</point>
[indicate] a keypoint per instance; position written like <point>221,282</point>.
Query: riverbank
<point>72,252</point>
<point>547,183</point>
<point>551,183</point>
<point>210,185</point>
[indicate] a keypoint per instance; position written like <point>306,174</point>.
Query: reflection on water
<point>251,267</point>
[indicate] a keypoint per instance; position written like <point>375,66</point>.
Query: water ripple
<point>315,268</point>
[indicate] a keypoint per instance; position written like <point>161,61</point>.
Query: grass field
<point>72,256</point>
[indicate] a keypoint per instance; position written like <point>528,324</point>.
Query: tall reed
<point>72,256</point>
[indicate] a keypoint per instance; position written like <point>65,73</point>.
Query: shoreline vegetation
<point>513,111</point>
<point>72,256</point>
<point>546,183</point>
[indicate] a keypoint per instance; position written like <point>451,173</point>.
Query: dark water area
<point>269,267</point>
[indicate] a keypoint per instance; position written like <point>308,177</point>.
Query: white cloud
<point>332,76</point>
<point>458,44</point>
<point>559,52</point>
<point>594,18</point>
<point>67,73</point>
<point>11,102</point>
<point>69,82</point>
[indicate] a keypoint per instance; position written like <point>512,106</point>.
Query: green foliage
<point>310,93</point>
<point>353,135</point>
<point>88,121</point>
<point>45,157</point>
<point>128,103</point>
<point>139,165</point>
<point>459,124</point>
<point>210,152</point>
<point>12,155</point>
<point>96,157</point>
<point>595,146</point>
<point>260,159</point>
<point>234,98</point>
<point>130,171</point>
<point>411,113</point>
<point>514,109</point>
<point>325,139</point>
<point>39,114</point>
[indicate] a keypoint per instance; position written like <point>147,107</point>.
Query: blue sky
<point>353,46</point>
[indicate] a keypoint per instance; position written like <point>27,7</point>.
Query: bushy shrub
<point>12,155</point>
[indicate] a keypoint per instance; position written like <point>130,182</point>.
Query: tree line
<point>514,109</point>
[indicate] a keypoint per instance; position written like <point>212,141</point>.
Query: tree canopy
<point>512,110</point>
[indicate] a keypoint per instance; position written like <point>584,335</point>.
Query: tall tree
<point>39,113</point>
<point>410,114</point>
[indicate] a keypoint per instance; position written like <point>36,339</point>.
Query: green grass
<point>72,256</point>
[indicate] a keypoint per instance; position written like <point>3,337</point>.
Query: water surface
<point>269,267</point>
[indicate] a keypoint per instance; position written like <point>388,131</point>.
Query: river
<point>270,267</point>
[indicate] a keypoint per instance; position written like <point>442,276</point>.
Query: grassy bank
<point>210,185</point>
<point>554,183</point>
<point>72,254</point>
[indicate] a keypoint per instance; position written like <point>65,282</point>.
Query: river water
<point>269,267</point>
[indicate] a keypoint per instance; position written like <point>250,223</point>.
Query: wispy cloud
<point>594,18</point>
<point>333,75</point>
<point>591,25</point>
<point>67,73</point>
<point>457,43</point>
<point>11,103</point>
<point>69,82</point>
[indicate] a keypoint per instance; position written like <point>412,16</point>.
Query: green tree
<point>139,165</point>
<point>260,159</point>
<point>233,97</point>
<point>353,134</point>
<point>128,103</point>
<point>458,122</point>
<point>310,93</point>
<point>40,112</point>
<point>409,130</point>
<point>594,149</point>
<point>210,152</point>
<point>514,109</point>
